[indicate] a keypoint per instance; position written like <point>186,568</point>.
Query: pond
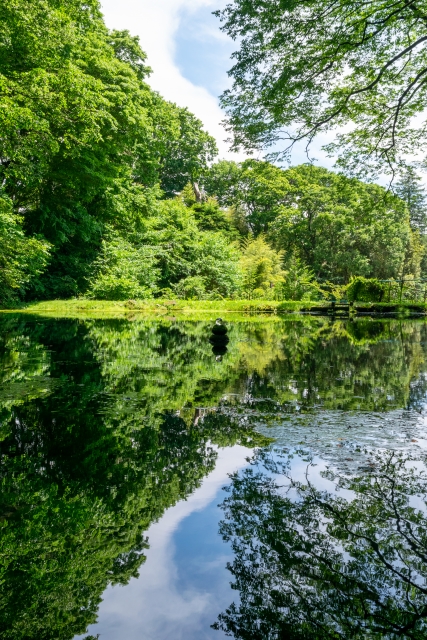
<point>159,484</point>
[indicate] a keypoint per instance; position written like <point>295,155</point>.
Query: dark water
<point>118,513</point>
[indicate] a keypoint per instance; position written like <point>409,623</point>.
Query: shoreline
<point>171,309</point>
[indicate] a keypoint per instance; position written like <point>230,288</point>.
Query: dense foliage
<point>109,191</point>
<point>84,138</point>
<point>337,227</point>
<point>303,68</point>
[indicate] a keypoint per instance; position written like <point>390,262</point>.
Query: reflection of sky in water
<point>338,391</point>
<point>184,584</point>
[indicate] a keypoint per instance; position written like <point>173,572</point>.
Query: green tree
<point>187,156</point>
<point>84,138</point>
<point>410,190</point>
<point>223,182</point>
<point>299,281</point>
<point>208,213</point>
<point>303,68</point>
<point>262,269</point>
<point>21,257</point>
<point>123,271</point>
<point>183,250</point>
<point>341,227</point>
<point>257,189</point>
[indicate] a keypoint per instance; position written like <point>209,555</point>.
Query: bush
<point>123,271</point>
<point>191,288</point>
<point>21,257</point>
<point>299,283</point>
<point>365,290</point>
<point>262,269</point>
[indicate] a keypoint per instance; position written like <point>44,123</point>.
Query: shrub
<point>123,271</point>
<point>21,257</point>
<point>191,288</point>
<point>299,282</point>
<point>262,269</point>
<point>365,290</point>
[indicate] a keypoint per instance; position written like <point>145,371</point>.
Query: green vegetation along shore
<point>204,309</point>
<point>110,192</point>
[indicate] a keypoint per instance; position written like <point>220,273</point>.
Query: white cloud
<point>156,23</point>
<point>156,606</point>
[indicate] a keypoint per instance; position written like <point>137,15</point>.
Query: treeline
<point>108,190</point>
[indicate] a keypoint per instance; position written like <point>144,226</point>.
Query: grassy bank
<point>81,308</point>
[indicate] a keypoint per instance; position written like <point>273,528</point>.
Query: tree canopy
<point>83,135</point>
<point>304,68</point>
<point>337,227</point>
<point>108,190</point>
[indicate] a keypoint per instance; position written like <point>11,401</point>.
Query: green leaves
<point>262,269</point>
<point>186,155</point>
<point>21,257</point>
<point>342,227</point>
<point>304,68</point>
<point>123,272</point>
<point>254,188</point>
<point>83,134</point>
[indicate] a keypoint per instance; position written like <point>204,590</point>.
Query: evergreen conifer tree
<point>410,190</point>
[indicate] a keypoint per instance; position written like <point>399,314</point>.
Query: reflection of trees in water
<point>363,365</point>
<point>81,478</point>
<point>314,565</point>
<point>92,448</point>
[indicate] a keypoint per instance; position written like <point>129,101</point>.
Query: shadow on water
<point>104,425</point>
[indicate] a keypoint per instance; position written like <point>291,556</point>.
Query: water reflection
<point>105,425</point>
<point>317,564</point>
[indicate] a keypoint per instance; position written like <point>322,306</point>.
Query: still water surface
<point>153,488</point>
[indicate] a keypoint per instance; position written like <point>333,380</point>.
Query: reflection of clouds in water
<point>154,607</point>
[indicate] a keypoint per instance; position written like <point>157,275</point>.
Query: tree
<point>223,181</point>
<point>21,257</point>
<point>304,68</point>
<point>411,192</point>
<point>84,138</point>
<point>208,213</point>
<point>123,271</point>
<point>255,188</point>
<point>187,156</point>
<point>262,269</point>
<point>163,252</point>
<point>341,227</point>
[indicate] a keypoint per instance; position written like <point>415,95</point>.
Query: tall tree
<point>342,227</point>
<point>254,188</point>
<point>187,156</point>
<point>410,190</point>
<point>304,67</point>
<point>83,137</point>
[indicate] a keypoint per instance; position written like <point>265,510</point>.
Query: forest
<point>110,192</point>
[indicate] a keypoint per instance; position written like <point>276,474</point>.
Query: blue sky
<point>189,55</point>
<point>202,51</point>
